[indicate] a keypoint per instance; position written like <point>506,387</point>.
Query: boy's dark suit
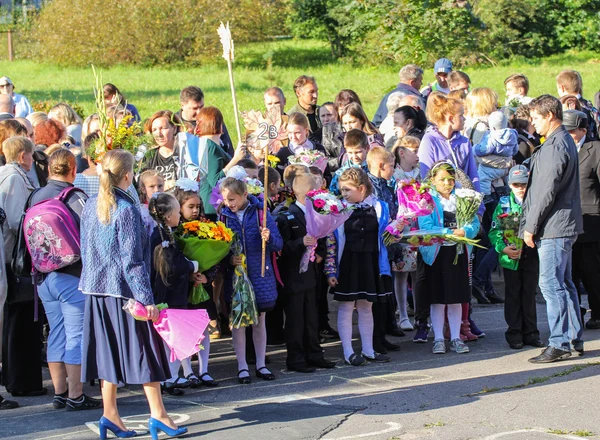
<point>300,291</point>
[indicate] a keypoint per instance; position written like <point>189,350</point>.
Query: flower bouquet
<point>414,201</point>
<point>205,242</point>
<point>509,224</point>
<point>254,186</point>
<point>182,330</point>
<point>243,300</point>
<point>468,202</point>
<point>310,158</point>
<point>430,237</point>
<point>324,214</point>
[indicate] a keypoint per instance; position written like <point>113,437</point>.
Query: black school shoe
<point>550,354</point>
<point>83,402</point>
<point>322,363</point>
<point>378,358</point>
<point>8,404</point>
<point>479,294</point>
<point>59,401</point>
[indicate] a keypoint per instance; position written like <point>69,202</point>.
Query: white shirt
<point>301,206</point>
<point>580,143</point>
<point>22,106</point>
<point>240,215</point>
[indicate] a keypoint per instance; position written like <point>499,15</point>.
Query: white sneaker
<point>439,346</point>
<point>405,324</point>
<point>458,346</point>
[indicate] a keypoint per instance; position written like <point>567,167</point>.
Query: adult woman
<point>62,299</point>
<point>164,158</point>
<point>49,132</point>
<point>211,157</point>
<point>115,253</point>
<point>112,95</point>
<point>36,117</point>
<point>353,116</point>
<point>91,124</point>
<point>407,122</point>
<point>65,114</point>
<point>21,345</point>
<point>345,97</point>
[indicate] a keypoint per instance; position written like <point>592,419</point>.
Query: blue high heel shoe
<point>154,426</point>
<point>106,424</point>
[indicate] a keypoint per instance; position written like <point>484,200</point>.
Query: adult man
<point>63,301</point>
<point>307,93</point>
<point>411,79</point>
<point>191,100</point>
<point>274,97</point>
<point>458,80</point>
<point>22,106</point>
<point>7,107</point>
<point>441,70</point>
<point>551,222</point>
<point>517,87</point>
<point>569,82</point>
<point>586,250</point>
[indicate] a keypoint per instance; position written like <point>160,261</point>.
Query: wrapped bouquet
<point>414,201</point>
<point>254,186</point>
<point>310,158</point>
<point>430,237</point>
<point>243,301</point>
<point>509,223</point>
<point>468,202</point>
<point>207,243</point>
<point>325,212</point>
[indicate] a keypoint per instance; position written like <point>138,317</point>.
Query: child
<point>171,271</point>
<point>381,168</point>
<point>517,87</point>
<point>357,266</point>
<point>406,155</point>
<point>304,352</point>
<point>250,167</point>
<point>286,194</point>
<point>242,213</point>
<point>495,151</point>
<point>521,268</point>
<point>191,208</point>
<point>149,183</point>
<point>356,146</point>
<point>298,130</point>
<point>446,284</point>
<point>407,168</point>
<point>272,190</point>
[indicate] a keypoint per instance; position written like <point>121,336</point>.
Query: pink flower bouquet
<point>310,158</point>
<point>325,212</point>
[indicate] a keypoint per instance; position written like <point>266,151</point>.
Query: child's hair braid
<point>159,206</point>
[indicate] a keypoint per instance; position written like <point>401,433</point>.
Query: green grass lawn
<point>259,66</point>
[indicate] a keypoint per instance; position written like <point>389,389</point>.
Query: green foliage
<point>156,32</point>
<point>46,106</point>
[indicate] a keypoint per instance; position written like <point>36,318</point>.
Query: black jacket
<point>292,226</point>
<point>175,292</point>
<point>589,178</point>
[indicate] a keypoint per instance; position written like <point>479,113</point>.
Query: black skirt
<point>444,282</point>
<point>119,349</point>
<point>359,278</point>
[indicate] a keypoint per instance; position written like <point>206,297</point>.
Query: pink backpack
<point>52,233</point>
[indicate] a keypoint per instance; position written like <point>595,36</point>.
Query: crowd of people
<point>534,159</point>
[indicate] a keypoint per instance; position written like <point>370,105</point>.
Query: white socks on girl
<point>365,326</point>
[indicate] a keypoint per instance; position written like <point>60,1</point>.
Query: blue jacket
<point>116,256</point>
<point>337,241</point>
<point>436,220</point>
<point>385,190</point>
<point>503,142</point>
<point>265,288</point>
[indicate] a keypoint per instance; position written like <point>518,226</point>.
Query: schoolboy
<point>304,351</point>
<point>520,263</point>
<point>356,147</point>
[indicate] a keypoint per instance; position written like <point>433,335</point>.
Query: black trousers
<point>519,303</point>
<point>322,300</point>
<point>586,268</point>
<point>302,328</point>
<point>21,348</point>
<point>274,322</point>
<point>420,295</point>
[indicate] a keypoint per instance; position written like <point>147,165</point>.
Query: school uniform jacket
<point>292,226</point>
<point>589,179</point>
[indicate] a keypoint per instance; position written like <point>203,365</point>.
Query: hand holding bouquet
<point>468,202</point>
<point>205,242</point>
<point>509,223</point>
<point>310,158</point>
<point>414,201</point>
<point>243,300</point>
<point>325,212</point>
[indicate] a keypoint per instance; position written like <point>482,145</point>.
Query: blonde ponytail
<point>115,165</point>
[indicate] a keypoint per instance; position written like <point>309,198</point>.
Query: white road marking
<point>523,431</point>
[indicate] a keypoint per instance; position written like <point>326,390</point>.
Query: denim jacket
<point>116,256</point>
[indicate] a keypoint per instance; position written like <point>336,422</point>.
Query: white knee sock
<point>365,326</point>
<point>344,323</point>
<point>187,367</point>
<point>259,337</point>
<point>204,354</point>
<point>437,320</point>
<point>238,336</point>
<point>454,320</point>
<point>401,291</point>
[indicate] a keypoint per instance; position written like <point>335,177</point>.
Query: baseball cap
<point>574,119</point>
<point>443,65</point>
<point>518,174</point>
<point>5,80</point>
